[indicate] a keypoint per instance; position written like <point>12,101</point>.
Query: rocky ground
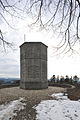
<point>32,98</point>
<point>74,94</point>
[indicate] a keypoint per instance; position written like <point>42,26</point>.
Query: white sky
<point>10,62</point>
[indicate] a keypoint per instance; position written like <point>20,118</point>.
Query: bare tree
<point>12,9</point>
<point>62,16</point>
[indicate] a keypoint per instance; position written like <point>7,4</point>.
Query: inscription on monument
<point>33,71</point>
<point>44,69</point>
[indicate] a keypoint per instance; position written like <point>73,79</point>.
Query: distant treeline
<point>61,79</point>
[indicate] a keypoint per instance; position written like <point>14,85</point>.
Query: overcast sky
<point>10,60</point>
<point>58,65</point>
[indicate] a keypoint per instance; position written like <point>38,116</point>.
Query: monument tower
<point>33,65</point>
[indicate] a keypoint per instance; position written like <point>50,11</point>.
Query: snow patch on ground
<point>60,109</point>
<point>60,96</point>
<point>7,111</point>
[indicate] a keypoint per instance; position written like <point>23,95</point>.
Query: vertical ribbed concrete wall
<point>33,65</point>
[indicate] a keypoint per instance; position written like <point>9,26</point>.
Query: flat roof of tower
<point>33,43</point>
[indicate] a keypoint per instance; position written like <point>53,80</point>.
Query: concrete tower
<point>33,65</point>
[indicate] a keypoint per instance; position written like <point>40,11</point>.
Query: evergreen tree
<point>76,79</point>
<point>67,79</point>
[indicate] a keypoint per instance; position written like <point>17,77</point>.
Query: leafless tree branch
<point>63,16</point>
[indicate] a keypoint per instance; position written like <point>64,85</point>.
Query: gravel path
<point>32,97</point>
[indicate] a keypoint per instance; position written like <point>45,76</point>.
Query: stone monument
<point>33,65</point>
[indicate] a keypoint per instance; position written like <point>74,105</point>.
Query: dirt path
<point>32,97</point>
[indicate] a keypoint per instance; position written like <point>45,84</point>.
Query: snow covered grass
<point>60,109</point>
<point>7,111</point>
